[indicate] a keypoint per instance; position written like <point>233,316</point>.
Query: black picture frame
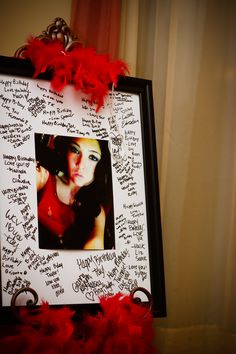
<point>16,67</point>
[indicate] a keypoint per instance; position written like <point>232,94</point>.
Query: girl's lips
<point>76,174</point>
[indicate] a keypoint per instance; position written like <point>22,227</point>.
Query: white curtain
<point>188,49</point>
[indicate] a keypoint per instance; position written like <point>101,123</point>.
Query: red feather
<point>88,71</point>
<point>120,327</point>
<point>44,331</point>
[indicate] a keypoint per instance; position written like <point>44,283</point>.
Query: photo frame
<point>30,108</point>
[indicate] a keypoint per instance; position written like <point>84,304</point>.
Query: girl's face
<point>82,157</point>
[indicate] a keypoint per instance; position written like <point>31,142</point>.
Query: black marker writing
<point>17,283</point>
<point>36,105</point>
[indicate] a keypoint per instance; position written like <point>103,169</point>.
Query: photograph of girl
<point>74,193</point>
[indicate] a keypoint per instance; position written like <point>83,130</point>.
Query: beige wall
<point>188,49</point>
<point>21,18</point>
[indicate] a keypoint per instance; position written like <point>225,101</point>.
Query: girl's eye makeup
<point>74,149</point>
<point>93,158</point>
<point>91,155</point>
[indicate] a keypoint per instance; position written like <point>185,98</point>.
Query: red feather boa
<point>120,327</point>
<point>87,71</point>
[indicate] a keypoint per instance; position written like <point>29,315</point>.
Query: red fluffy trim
<point>87,71</point>
<point>121,327</point>
<point>44,331</point>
